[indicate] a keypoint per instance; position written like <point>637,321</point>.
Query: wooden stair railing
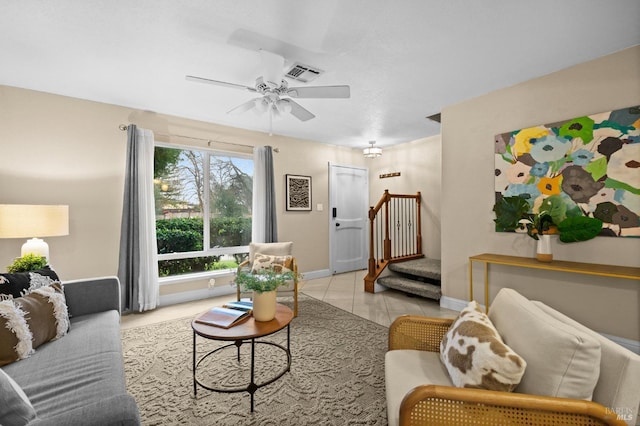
<point>395,233</point>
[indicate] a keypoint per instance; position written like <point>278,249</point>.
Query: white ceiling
<point>404,59</point>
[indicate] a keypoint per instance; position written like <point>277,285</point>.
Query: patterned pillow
<point>475,355</point>
<point>28,322</point>
<point>265,262</point>
<point>22,283</point>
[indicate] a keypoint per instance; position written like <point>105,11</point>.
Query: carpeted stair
<point>419,276</point>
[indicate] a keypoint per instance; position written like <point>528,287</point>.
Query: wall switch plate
<point>319,207</point>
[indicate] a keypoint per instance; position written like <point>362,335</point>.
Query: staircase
<point>419,276</point>
<point>395,241</point>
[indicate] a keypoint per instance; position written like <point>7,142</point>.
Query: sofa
<point>547,369</point>
<point>77,379</point>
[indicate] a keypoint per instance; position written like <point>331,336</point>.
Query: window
<point>203,209</point>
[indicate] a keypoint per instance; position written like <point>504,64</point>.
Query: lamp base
<point>35,246</point>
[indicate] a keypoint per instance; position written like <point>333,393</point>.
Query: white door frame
<point>331,224</point>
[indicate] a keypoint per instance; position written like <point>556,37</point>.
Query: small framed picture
<point>298,193</point>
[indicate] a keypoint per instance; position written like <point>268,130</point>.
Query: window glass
<point>203,209</point>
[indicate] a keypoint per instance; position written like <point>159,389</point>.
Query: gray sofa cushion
<point>82,368</point>
<point>15,407</point>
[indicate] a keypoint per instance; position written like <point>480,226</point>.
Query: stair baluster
<point>395,233</point>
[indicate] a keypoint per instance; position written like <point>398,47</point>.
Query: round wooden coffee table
<point>245,332</point>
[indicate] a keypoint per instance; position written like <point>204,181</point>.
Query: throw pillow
<point>264,262</point>
<point>22,283</point>
<point>561,360</point>
<point>475,355</point>
<point>47,314</point>
<point>15,407</point>
<point>15,336</point>
<point>28,322</point>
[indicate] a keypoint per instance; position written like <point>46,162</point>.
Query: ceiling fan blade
<point>219,83</point>
<point>320,92</point>
<point>273,67</point>
<point>298,111</point>
<point>244,107</point>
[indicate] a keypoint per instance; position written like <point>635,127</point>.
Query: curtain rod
<point>124,127</point>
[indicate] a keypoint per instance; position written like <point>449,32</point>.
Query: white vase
<point>264,305</point>
<point>543,249</point>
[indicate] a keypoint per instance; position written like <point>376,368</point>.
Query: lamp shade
<point>27,220</point>
<point>372,151</point>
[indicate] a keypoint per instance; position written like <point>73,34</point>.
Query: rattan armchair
<point>447,405</point>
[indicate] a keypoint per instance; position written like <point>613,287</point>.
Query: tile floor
<point>345,291</point>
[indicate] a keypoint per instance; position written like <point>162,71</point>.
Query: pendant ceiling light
<point>372,151</point>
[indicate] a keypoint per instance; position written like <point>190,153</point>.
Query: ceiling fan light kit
<point>372,151</point>
<point>273,88</point>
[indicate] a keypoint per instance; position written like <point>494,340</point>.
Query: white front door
<point>348,217</point>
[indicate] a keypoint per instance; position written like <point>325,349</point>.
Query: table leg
<point>252,386</point>
<point>486,287</point>
<point>470,280</point>
<point>195,385</point>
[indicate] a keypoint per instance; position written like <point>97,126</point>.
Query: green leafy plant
<point>263,281</point>
<point>512,214</point>
<point>26,263</point>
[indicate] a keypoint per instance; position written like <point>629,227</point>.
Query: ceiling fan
<point>275,92</point>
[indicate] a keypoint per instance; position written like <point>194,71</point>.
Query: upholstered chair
<point>274,249</point>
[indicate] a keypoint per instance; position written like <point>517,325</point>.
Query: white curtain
<point>138,266</point>
<point>149,289</point>
<point>264,228</point>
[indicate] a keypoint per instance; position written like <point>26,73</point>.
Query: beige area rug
<point>336,377</point>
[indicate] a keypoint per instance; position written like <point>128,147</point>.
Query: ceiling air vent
<point>303,73</point>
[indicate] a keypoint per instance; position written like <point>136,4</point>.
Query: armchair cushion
<point>274,249</point>
<point>617,385</point>
<point>561,361</point>
<point>264,262</point>
<point>406,369</point>
<point>476,356</point>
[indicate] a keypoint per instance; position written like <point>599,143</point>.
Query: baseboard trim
<point>190,296</point>
<point>454,304</point>
<point>312,275</point>
<point>459,304</point>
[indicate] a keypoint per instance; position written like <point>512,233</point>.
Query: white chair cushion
<point>618,385</point>
<point>561,361</point>
<point>274,249</point>
<point>405,369</point>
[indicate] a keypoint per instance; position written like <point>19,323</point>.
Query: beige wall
<point>60,150</point>
<point>605,304</point>
<point>419,163</point>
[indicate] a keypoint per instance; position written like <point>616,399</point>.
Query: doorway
<point>348,218</point>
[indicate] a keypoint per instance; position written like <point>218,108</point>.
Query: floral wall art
<point>588,166</point>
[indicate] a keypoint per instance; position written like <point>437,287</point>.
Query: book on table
<point>223,317</point>
<point>241,305</point>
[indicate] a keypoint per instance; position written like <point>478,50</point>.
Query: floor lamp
<point>34,222</point>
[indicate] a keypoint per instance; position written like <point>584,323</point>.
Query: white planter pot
<point>264,305</point>
<point>543,249</point>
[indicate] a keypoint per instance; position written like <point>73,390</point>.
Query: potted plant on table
<point>549,217</point>
<point>264,285</point>
<point>26,263</point>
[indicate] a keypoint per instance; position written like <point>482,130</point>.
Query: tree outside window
<point>203,209</point>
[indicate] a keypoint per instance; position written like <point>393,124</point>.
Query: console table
<point>627,272</point>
